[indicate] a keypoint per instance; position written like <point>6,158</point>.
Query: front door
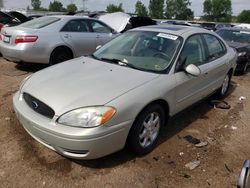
<point>191,89</point>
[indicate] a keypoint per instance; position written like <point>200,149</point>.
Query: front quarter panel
<point>130,104</point>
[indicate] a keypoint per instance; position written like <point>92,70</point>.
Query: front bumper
<point>241,61</point>
<point>72,142</point>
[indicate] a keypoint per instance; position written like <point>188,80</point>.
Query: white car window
<point>194,51</point>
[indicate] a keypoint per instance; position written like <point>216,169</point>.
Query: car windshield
<point>235,35</point>
<point>40,22</point>
<point>143,50</point>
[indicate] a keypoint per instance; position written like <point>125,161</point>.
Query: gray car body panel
<point>50,37</point>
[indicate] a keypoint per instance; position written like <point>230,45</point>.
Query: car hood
<point>83,82</point>
<point>118,20</point>
<point>237,45</point>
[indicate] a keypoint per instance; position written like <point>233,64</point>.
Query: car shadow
<point>174,126</point>
<point>29,67</point>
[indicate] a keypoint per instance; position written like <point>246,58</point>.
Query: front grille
<point>38,106</point>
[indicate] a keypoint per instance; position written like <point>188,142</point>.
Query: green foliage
<point>113,8</point>
<point>140,9</point>
<point>71,8</point>
<point>156,9</point>
<point>244,16</point>
<point>36,4</point>
<point>56,6</point>
<point>178,9</point>
<point>217,10</point>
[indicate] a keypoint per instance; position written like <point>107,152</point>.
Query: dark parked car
<point>12,18</point>
<point>240,40</point>
<point>214,26</point>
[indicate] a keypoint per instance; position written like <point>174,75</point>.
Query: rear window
<point>40,22</point>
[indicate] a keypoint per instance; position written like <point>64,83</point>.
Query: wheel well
<point>230,72</point>
<point>162,103</point>
<point>63,47</point>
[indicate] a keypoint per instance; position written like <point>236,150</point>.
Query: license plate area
<point>6,39</point>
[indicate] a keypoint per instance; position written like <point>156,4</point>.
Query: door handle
<point>67,36</point>
<point>97,36</point>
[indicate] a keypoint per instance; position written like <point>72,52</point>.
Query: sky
<point>128,5</point>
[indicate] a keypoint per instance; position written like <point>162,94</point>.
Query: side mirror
<point>193,70</point>
<point>180,64</point>
<point>244,179</point>
<point>98,47</point>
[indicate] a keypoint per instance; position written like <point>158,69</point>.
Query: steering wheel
<point>162,55</point>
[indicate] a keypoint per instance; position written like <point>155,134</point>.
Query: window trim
<point>207,49</point>
<point>61,30</point>
<point>101,23</point>
<point>181,50</point>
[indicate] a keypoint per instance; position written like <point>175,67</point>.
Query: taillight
<point>25,39</point>
<point>1,26</point>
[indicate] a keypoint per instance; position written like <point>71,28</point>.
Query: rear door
<point>217,59</point>
<point>78,35</point>
<point>102,32</point>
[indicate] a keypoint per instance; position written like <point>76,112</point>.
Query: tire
<point>223,90</point>
<point>244,68</point>
<point>59,55</point>
<point>144,133</point>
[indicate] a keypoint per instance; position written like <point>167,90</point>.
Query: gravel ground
<point>26,163</point>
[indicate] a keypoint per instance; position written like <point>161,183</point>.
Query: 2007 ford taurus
<point>92,106</point>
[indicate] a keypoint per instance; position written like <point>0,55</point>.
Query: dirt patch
<point>26,163</point>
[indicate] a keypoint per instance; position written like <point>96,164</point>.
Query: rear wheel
<point>144,133</point>
<point>222,92</point>
<point>59,55</point>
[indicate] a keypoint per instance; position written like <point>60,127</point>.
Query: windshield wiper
<point>123,62</point>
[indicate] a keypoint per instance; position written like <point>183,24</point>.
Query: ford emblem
<point>34,104</point>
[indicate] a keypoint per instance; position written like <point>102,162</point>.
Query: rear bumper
<point>72,142</point>
<point>22,53</point>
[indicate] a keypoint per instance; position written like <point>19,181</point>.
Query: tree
<point>140,9</point>
<point>244,16</point>
<point>36,4</point>
<point>113,8</point>
<point>56,6</point>
<point>178,9</point>
<point>217,10</point>
<point>71,8</point>
<point>156,9</point>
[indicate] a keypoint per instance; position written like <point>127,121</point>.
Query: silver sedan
<point>125,92</point>
<point>53,39</point>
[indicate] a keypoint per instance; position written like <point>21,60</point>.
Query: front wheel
<point>144,133</point>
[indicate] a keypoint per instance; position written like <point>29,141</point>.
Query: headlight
<point>24,81</point>
<point>87,117</point>
<point>242,53</point>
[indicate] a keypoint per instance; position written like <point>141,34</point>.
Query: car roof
<point>69,17</point>
<point>235,29</point>
<point>174,29</point>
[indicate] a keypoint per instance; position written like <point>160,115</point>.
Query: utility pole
<point>1,4</point>
<point>84,4</point>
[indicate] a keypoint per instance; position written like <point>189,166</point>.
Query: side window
<point>194,51</point>
<point>216,48</point>
<point>98,27</point>
<point>76,26</point>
